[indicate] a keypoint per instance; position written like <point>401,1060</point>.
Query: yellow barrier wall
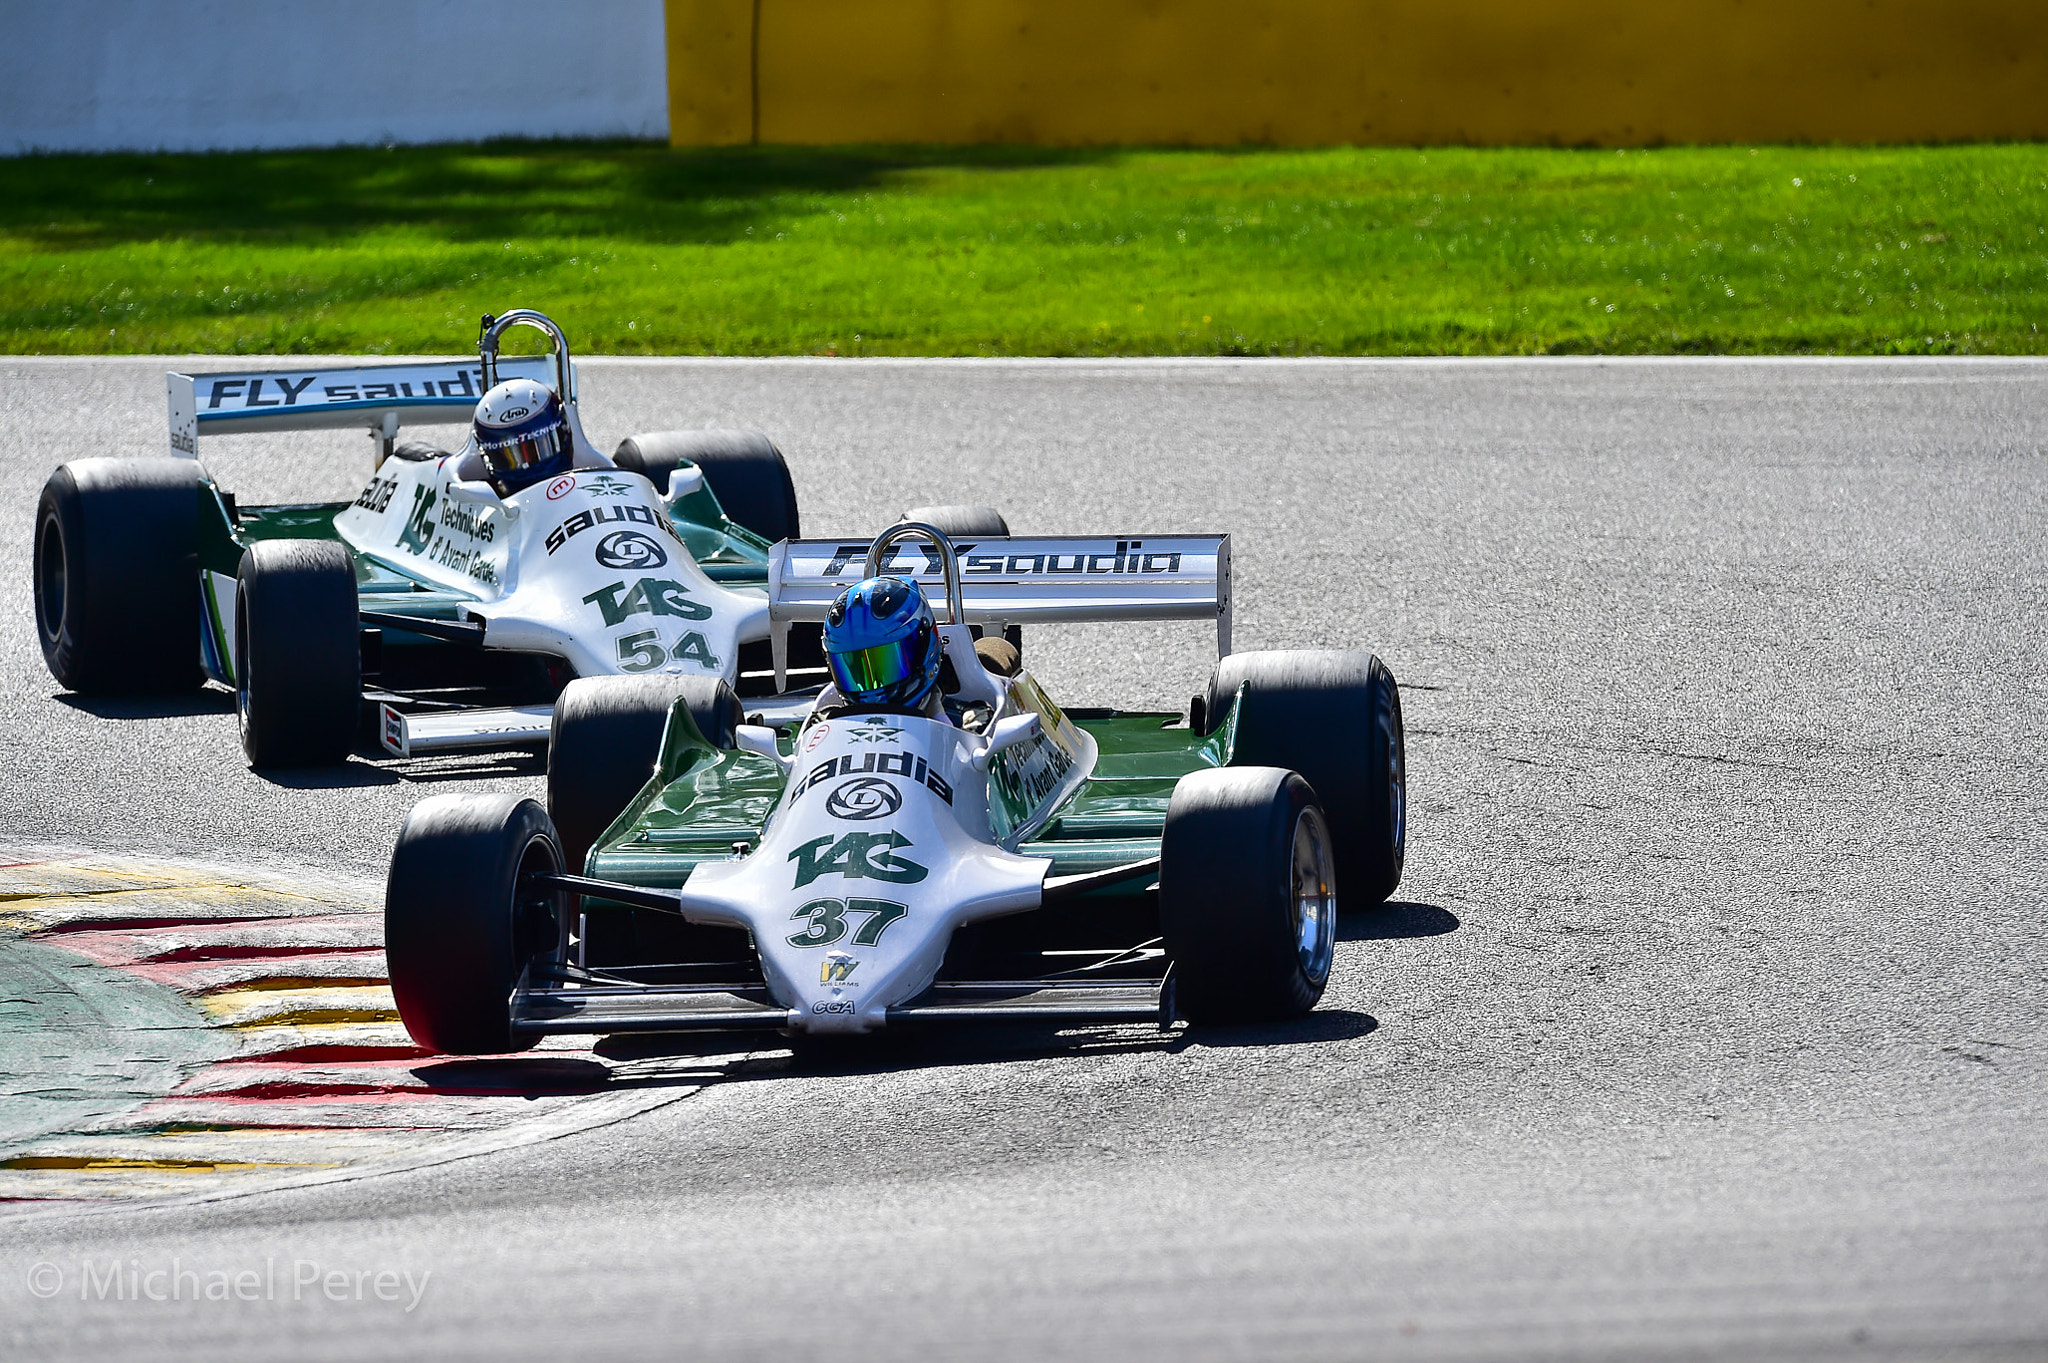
<point>1321,72</point>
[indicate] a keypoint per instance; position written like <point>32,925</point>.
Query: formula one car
<point>838,874</point>
<point>456,615</point>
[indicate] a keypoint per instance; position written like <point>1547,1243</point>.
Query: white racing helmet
<point>522,434</point>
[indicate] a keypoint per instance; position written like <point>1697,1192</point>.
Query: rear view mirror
<point>1008,732</point>
<point>759,740</point>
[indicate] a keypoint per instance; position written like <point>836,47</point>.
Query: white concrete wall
<point>190,75</point>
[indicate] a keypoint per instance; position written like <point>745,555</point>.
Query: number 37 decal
<point>828,921</point>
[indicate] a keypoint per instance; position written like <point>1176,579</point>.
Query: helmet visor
<point>527,451</point>
<point>867,670</point>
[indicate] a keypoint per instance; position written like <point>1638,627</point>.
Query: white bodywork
<point>587,567</point>
<point>881,846</point>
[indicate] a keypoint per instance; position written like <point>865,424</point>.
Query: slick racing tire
<point>117,577</point>
<point>606,740</point>
<point>968,523</point>
<point>1335,717</point>
<point>459,925</point>
<point>745,471</point>
<point>1247,895</point>
<point>298,653</point>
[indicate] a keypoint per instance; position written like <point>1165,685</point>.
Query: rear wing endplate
<point>1021,581</point>
<point>379,398</point>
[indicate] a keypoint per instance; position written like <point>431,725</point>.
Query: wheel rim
<point>241,667</point>
<point>50,579</point>
<point>1397,786</point>
<point>538,916</point>
<point>1314,895</point>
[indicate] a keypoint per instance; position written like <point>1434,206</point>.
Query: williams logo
<point>630,549</point>
<point>863,798</point>
<point>836,969</point>
<point>857,856</point>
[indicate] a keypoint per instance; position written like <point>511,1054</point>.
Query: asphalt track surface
<point>1709,1022</point>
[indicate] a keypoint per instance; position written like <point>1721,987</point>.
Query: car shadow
<point>208,701</point>
<point>648,1059</point>
<point>361,771</point>
<point>1394,920</point>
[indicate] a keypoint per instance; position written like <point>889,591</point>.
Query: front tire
<point>1247,895</point>
<point>745,471</point>
<point>459,929</point>
<point>1334,716</point>
<point>117,578</point>
<point>606,740</point>
<point>298,653</point>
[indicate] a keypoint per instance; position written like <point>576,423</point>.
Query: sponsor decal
<point>458,387</point>
<point>837,968</point>
<point>377,495</point>
<point>864,798</point>
<point>648,596</point>
<point>874,729</point>
<point>419,526</point>
<point>816,734</point>
<point>474,522</point>
<point>1031,771</point>
<point>857,856</point>
<point>1127,557</point>
<point>607,485</point>
<point>630,549</point>
<point>561,487</point>
<point>909,766</point>
<point>605,515</point>
<point>185,442</point>
<point>513,413</point>
<point>843,1007</point>
<point>250,391</point>
<point>825,923</point>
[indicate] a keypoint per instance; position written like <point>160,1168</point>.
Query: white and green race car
<point>428,614</point>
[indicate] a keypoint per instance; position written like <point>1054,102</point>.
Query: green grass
<point>1019,251</point>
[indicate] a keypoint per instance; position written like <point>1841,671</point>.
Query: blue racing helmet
<point>522,435</point>
<point>881,643</point>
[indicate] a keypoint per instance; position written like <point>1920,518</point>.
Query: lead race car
<point>444,612</point>
<point>842,873</point>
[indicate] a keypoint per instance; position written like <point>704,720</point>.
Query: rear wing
<point>1020,581</point>
<point>379,398</point>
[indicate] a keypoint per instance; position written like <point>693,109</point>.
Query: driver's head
<point>522,435</point>
<point>881,643</point>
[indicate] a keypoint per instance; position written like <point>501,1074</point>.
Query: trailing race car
<point>456,609</point>
<point>1008,859</point>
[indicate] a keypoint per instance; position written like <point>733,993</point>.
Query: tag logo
<point>857,856</point>
<point>419,527</point>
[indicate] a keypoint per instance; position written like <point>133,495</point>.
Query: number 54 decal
<point>643,652</point>
<point>828,921</point>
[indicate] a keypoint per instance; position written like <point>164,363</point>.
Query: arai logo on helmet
<point>513,413</point>
<point>561,487</point>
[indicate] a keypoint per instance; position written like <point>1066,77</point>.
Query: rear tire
<point>745,471</point>
<point>1334,716</point>
<point>969,523</point>
<point>1247,895</point>
<point>606,740</point>
<point>298,653</point>
<point>458,932</point>
<point>117,576</point>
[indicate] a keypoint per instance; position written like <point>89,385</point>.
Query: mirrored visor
<point>871,669</point>
<point>526,451</point>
